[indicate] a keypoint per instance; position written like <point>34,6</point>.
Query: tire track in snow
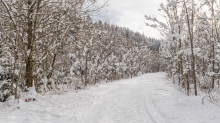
<point>148,110</point>
<point>156,115</point>
<point>133,93</point>
<point>150,107</point>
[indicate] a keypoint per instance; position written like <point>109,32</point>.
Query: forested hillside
<point>54,46</point>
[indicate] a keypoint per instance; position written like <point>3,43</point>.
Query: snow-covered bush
<point>5,78</point>
<point>4,91</point>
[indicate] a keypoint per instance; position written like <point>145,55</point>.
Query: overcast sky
<point>130,13</point>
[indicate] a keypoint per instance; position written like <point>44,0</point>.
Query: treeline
<point>54,46</point>
<point>191,44</point>
<point>154,44</point>
<point>107,52</point>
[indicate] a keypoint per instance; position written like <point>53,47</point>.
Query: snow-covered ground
<point>148,98</point>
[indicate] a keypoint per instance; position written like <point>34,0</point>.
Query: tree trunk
<point>29,72</point>
<point>86,70</point>
<point>29,60</point>
<point>51,71</point>
<point>187,79</point>
<point>191,44</point>
<point>181,58</point>
<point>213,49</point>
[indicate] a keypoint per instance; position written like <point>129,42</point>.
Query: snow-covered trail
<point>148,98</point>
<point>123,104</point>
<point>117,102</point>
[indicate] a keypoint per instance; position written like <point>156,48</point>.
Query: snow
<point>218,45</point>
<point>1,70</point>
<point>216,17</point>
<point>28,52</point>
<point>204,16</point>
<point>171,3</point>
<point>148,98</point>
<point>14,10</point>
<point>30,95</point>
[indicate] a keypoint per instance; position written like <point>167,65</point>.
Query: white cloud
<point>130,13</point>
